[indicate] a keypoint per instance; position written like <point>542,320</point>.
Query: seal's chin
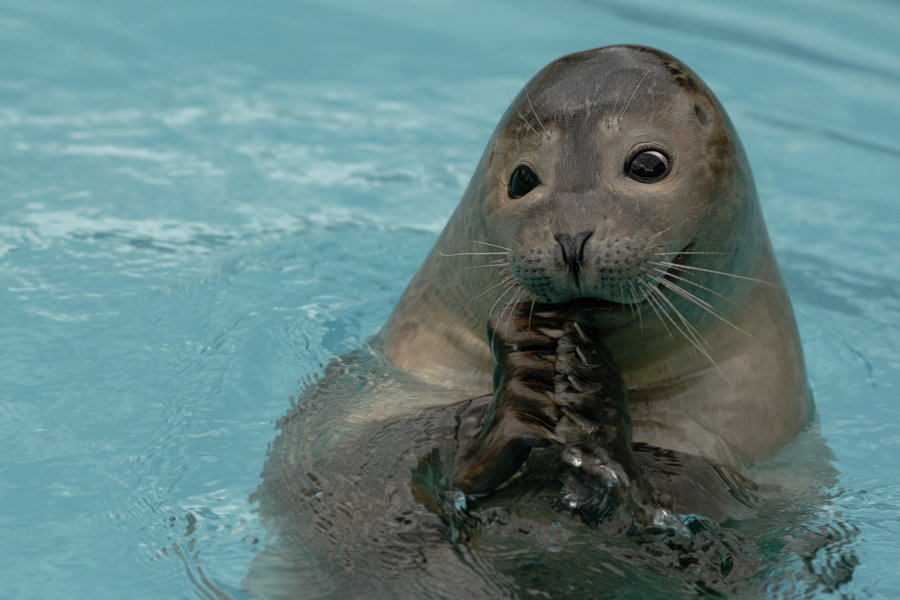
<point>609,304</point>
<point>610,301</point>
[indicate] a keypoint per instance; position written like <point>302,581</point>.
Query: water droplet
<point>570,500</point>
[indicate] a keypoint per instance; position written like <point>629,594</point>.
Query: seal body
<point>614,179</point>
<point>701,325</point>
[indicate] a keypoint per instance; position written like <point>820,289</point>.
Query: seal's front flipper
<point>690,484</point>
<point>590,396</point>
<point>554,383</point>
<point>522,413</point>
<point>594,429</point>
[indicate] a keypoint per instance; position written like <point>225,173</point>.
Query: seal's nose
<point>573,251</point>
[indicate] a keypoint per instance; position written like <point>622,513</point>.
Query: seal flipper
<point>554,383</point>
<point>595,428</point>
<point>523,412</point>
<point>692,485</point>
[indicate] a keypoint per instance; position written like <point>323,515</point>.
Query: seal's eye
<point>522,181</point>
<point>648,166</point>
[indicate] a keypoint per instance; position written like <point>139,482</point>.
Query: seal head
<point>601,214</point>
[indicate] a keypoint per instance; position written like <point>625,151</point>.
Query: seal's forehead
<point>609,74</point>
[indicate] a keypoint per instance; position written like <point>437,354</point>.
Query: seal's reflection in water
<point>379,518</point>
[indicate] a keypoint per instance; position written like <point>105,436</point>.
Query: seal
<point>616,175</point>
<point>612,243</point>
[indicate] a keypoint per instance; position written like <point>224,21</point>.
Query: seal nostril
<point>572,247</point>
<point>564,241</point>
<point>581,239</point>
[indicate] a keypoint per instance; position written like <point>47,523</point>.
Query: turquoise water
<point>201,203</point>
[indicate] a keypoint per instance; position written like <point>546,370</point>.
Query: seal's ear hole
<point>522,181</point>
<point>701,115</point>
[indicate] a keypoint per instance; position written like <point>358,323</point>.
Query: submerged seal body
<point>616,181</point>
<point>616,175</point>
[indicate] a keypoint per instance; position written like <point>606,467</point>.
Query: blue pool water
<point>202,202</point>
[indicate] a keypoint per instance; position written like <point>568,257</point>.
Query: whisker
<point>531,312</point>
<point>689,332</point>
<point>493,266</point>
<point>634,296</point>
<point>627,104</point>
<point>473,253</point>
<point>691,335</point>
<point>511,306</point>
<point>510,286</point>
<point>687,218</point>
<point>657,309</point>
<point>683,293</point>
<point>622,295</point>
<point>494,245</point>
<point>690,252</point>
<point>503,281</point>
<point>534,112</point>
<point>616,102</point>
<point>524,120</point>
<point>672,265</point>
<point>665,273</point>
<point>659,233</point>
<point>698,302</point>
<point>505,292</point>
<point>688,326</point>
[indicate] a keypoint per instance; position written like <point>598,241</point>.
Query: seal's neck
<point>437,329</point>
